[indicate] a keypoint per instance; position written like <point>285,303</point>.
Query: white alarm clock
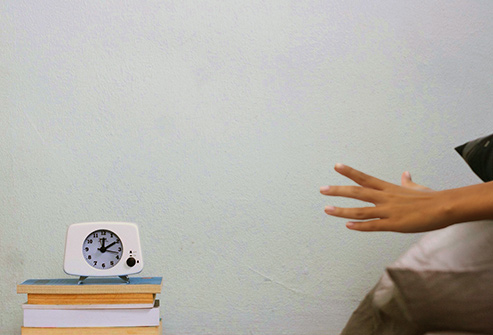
<point>101,249</point>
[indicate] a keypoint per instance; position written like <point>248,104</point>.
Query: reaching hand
<point>407,208</point>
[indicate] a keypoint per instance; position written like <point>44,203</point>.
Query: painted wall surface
<point>212,124</point>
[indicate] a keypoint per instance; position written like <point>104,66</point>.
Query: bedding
<point>443,282</point>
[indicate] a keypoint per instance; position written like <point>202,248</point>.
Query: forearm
<point>470,203</point>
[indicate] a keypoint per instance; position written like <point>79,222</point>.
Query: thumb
<point>407,182</point>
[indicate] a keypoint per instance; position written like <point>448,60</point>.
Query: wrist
<point>470,203</point>
<point>450,207</point>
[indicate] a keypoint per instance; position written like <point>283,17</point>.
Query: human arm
<point>410,207</point>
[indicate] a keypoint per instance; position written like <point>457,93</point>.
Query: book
<point>94,331</point>
<point>91,306</point>
<point>90,299</point>
<point>51,316</point>
<point>94,285</point>
<point>100,305</point>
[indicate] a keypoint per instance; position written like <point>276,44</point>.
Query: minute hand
<point>112,251</point>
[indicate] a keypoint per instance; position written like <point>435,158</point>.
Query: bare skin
<point>409,208</point>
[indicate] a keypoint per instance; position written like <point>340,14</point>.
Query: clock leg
<point>81,279</point>
<point>125,279</point>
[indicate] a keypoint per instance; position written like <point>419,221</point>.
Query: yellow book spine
<point>90,299</point>
<point>94,331</point>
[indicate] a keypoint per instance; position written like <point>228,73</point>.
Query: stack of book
<point>98,306</point>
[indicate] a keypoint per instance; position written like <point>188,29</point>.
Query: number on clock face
<point>102,249</point>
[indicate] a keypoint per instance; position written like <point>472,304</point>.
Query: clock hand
<point>105,248</point>
<point>102,241</point>
<point>109,245</point>
<point>112,251</point>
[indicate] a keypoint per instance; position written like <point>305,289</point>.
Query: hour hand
<point>103,247</point>
<point>103,240</point>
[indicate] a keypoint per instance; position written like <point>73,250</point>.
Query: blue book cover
<point>95,281</point>
<point>92,285</point>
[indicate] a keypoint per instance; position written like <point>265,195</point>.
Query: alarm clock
<point>101,249</point>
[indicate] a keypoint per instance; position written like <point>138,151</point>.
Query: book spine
<point>94,331</point>
<point>90,299</point>
<point>91,317</point>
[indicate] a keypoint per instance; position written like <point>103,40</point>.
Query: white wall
<point>212,124</point>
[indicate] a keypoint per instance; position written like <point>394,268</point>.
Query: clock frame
<point>101,242</point>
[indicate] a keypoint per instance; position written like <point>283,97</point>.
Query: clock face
<point>102,249</point>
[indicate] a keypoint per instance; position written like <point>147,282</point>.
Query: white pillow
<point>444,281</point>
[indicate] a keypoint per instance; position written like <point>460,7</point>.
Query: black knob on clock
<point>131,261</point>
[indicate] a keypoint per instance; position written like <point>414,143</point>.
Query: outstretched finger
<point>361,213</point>
<point>362,179</point>
<point>372,225</point>
<point>353,192</point>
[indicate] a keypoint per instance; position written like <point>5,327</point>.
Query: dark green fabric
<point>478,154</point>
